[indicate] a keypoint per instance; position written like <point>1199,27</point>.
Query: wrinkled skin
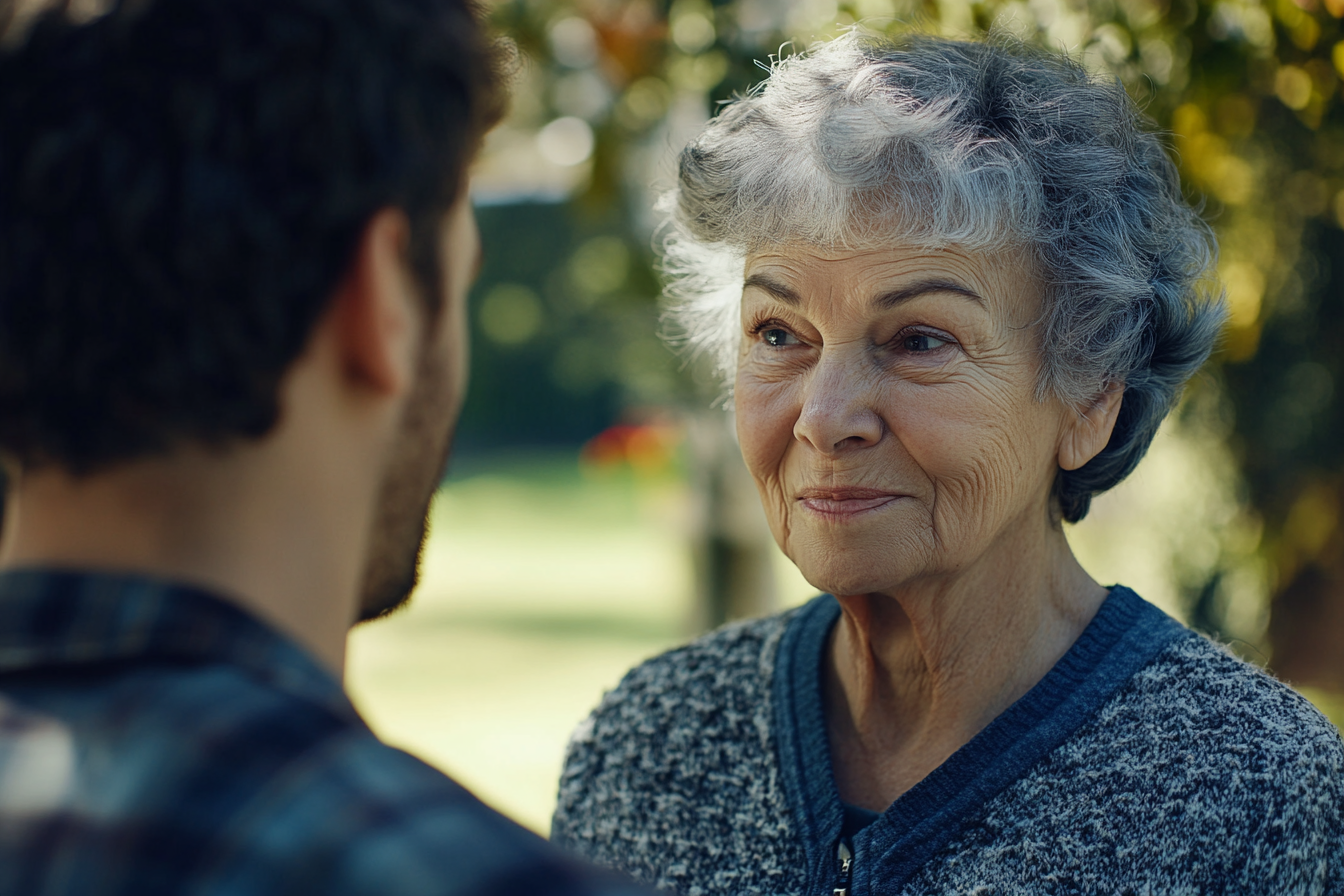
<point>931,399</point>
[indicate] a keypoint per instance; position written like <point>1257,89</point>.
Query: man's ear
<point>1086,434</point>
<point>376,311</point>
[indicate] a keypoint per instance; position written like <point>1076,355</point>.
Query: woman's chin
<point>857,563</point>
<point>842,579</point>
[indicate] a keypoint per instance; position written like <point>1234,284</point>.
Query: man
<point>235,244</point>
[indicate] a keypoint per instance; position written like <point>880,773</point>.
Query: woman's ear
<point>1086,434</point>
<point>376,313</point>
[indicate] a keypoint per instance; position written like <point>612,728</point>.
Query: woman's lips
<point>841,502</point>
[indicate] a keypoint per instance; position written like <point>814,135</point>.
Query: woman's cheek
<point>982,448</point>
<point>766,413</point>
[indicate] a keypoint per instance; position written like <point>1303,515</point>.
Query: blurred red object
<point>645,447</point>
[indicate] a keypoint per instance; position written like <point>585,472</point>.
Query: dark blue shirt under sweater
<point>1147,761</point>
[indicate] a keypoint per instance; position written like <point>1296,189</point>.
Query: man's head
<point>184,188</point>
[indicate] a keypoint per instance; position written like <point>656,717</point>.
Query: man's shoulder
<point>215,782</point>
<point>360,817</point>
<point>349,814</point>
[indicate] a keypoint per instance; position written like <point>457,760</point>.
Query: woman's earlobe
<point>1087,433</point>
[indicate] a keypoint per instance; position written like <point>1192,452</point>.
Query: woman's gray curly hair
<point>988,146</point>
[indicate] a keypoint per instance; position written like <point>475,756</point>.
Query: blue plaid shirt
<point>157,740</point>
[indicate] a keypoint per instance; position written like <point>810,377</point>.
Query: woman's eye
<point>922,342</point>
<point>776,336</point>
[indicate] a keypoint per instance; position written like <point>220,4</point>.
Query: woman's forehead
<point>994,277</point>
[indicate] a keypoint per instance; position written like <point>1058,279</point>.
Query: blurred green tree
<point>1250,90</point>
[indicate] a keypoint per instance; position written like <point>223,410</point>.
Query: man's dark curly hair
<point>182,185</point>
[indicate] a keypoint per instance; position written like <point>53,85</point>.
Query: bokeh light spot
<point>1245,290</point>
<point>600,265</point>
<point>510,314</point>
<point>573,42</point>
<point>1292,85</point>
<point>566,141</point>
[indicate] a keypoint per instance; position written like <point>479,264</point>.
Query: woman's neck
<point>915,674</point>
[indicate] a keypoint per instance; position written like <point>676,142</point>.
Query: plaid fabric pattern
<point>157,740</point>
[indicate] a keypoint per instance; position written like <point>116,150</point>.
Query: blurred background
<point>597,511</point>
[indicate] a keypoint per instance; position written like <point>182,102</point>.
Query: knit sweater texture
<point>1148,761</point>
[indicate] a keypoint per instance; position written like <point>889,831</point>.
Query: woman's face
<point>886,409</point>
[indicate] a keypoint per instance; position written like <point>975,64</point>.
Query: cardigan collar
<point>1123,637</point>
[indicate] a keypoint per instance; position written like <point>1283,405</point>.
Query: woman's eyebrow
<point>774,287</point>
<point>894,297</point>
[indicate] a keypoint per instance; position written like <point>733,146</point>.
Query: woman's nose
<point>838,410</point>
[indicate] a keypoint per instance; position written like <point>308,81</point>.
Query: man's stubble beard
<point>418,461</point>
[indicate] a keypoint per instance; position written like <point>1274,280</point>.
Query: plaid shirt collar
<point>51,618</point>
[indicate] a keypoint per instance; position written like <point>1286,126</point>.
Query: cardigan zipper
<point>844,858</point>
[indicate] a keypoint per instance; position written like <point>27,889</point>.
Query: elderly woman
<point>958,288</point>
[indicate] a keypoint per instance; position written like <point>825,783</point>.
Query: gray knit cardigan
<point>1147,761</point>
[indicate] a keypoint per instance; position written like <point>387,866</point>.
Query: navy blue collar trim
<point>66,617</point>
<point>1124,636</point>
